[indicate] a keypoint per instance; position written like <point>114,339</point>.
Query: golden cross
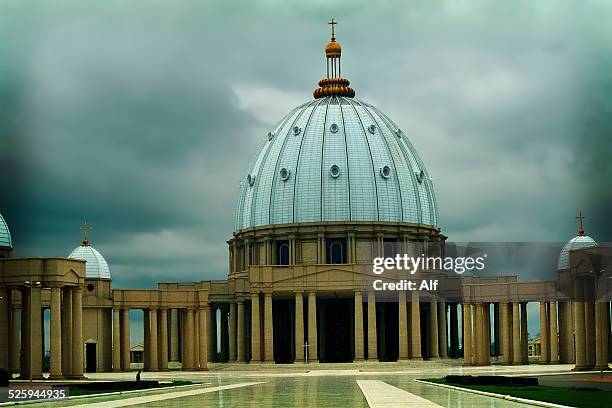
<point>332,23</point>
<point>580,217</point>
<point>85,228</point>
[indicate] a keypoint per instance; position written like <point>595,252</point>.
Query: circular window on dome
<point>270,135</point>
<point>90,287</point>
<point>297,130</point>
<point>334,171</point>
<point>398,133</point>
<point>372,129</point>
<point>385,171</point>
<point>284,174</point>
<point>420,176</point>
<point>251,179</point>
<point>333,128</point>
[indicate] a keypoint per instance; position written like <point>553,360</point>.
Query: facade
<point>335,184</point>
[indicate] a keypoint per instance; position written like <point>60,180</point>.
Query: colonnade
<point>165,339</point>
<point>22,331</point>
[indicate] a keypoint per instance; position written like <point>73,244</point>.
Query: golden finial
<point>581,229</point>
<point>333,84</point>
<point>85,228</point>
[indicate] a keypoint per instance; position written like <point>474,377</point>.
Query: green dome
<point>5,234</point>
<point>336,159</point>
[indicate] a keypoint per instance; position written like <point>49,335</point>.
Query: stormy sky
<point>141,117</point>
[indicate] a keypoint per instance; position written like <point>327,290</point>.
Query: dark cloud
<point>142,117</point>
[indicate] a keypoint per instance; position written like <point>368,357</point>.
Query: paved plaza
<point>336,385</point>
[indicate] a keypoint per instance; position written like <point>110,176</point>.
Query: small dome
<point>578,242</point>
<point>333,49</point>
<point>5,234</point>
<point>96,266</point>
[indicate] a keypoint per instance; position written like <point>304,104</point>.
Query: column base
<point>417,358</point>
<point>601,368</point>
<point>582,368</point>
<point>116,370</point>
<point>255,362</point>
<point>75,377</point>
<point>358,360</point>
<point>56,377</point>
<point>203,369</point>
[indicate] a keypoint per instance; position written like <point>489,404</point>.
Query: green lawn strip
<point>577,397</point>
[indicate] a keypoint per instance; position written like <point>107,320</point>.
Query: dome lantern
<point>333,84</point>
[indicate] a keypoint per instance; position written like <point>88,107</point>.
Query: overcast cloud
<point>141,117</point>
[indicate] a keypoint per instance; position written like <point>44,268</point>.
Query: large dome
<point>336,159</point>
<point>5,234</point>
<point>96,266</point>
<point>578,242</point>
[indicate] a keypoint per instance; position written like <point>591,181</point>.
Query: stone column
<point>524,345</point>
<point>255,329</point>
<point>403,326</point>
<point>146,329</point>
<point>479,335</point>
<point>16,340</point>
<point>415,326</point>
<point>433,329</point>
<point>299,327</point>
<point>55,333</point>
<point>601,335</point>
<point>174,335</point>
<point>232,332</point>
<point>487,333</point>
<point>467,334</point>
<point>570,310</point>
<point>5,328</point>
<point>554,337</point>
<point>196,337</point>
<point>5,319</point>
<point>442,329</point>
<point>579,324</point>
<point>516,334</point>
<point>153,350</point>
<point>313,354</point>
<point>372,346</point>
<point>125,340</point>
<point>543,334</point>
<point>505,334</point>
<point>116,340</point>
<point>35,334</point>
<point>589,321</point>
<point>212,332</point>
<point>268,329</point>
<point>189,336</point>
<point>203,343</point>
<point>454,331</point>
<point>240,341</point>
<point>77,332</point>
<point>162,335</point>
<point>359,339</point>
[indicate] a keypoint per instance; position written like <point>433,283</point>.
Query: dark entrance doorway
<point>283,315</point>
<point>90,357</point>
<point>387,331</point>
<point>336,330</point>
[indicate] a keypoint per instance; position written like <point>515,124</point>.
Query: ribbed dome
<point>5,234</point>
<point>96,266</point>
<point>580,241</point>
<point>336,159</point>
